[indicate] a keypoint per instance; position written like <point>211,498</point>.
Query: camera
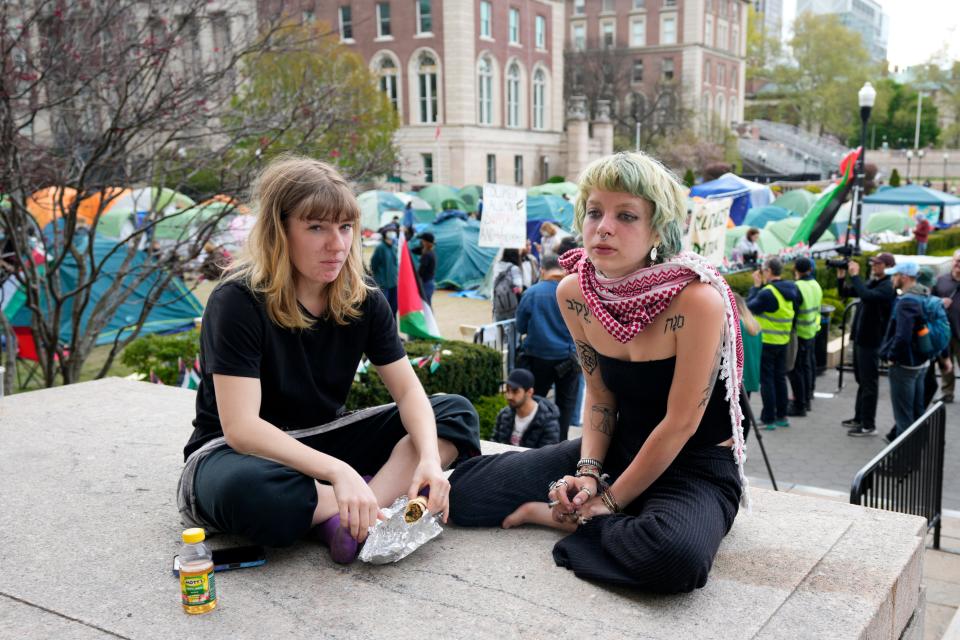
<point>846,251</point>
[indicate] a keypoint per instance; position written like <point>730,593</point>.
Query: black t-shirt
<point>428,266</point>
<point>305,375</point>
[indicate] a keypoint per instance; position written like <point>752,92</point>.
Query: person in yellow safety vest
<point>774,302</point>
<point>804,371</point>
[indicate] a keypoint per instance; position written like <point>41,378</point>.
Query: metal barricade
<point>503,337</point>
<point>907,476</point>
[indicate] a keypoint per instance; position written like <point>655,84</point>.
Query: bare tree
<point>101,95</point>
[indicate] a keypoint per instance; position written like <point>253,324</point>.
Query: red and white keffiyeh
<point>627,305</point>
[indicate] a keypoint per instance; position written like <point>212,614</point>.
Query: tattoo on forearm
<point>714,372</point>
<point>673,324</point>
<point>580,309</point>
<point>587,356</point>
<point>603,419</point>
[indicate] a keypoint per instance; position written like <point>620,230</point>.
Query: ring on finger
<point>587,491</point>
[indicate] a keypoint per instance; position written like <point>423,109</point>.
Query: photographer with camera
<point>869,324</point>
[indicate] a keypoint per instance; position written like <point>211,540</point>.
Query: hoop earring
<point>653,254</point>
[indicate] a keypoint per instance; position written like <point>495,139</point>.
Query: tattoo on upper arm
<point>714,372</point>
<point>603,418</point>
<point>579,308</point>
<point>587,356</point>
<point>673,324</point>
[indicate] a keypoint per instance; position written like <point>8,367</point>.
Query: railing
<point>503,337</point>
<point>907,476</point>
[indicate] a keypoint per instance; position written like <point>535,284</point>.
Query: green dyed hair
<point>644,177</point>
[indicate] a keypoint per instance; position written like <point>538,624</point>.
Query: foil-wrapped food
<point>408,527</point>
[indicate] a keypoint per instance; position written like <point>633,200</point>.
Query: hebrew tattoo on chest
<point>673,324</point>
<point>587,356</point>
<point>579,308</point>
<point>603,419</point>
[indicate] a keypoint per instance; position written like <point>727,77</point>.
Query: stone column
<point>578,136</point>
<point>603,128</point>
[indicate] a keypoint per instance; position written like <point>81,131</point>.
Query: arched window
<point>388,80</point>
<point>485,92</point>
<point>732,114</point>
<point>707,116</point>
<point>721,111</point>
<point>427,87</point>
<point>539,98</point>
<point>513,95</point>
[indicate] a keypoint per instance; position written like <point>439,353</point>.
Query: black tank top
<point>642,390</point>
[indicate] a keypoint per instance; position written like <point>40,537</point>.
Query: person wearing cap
<point>528,420</point>
<point>947,288</point>
<point>908,366</point>
<point>428,266</point>
<point>804,370</point>
<point>869,323</point>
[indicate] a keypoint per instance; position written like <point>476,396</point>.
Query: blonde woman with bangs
<point>273,456</point>
<point>653,485</point>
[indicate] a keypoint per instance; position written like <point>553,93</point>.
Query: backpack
<point>504,299</point>
<point>934,340</point>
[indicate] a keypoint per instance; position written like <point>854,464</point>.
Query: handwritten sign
<point>504,222</point>
<point>708,228</point>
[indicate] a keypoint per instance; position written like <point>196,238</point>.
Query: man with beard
<point>527,420</point>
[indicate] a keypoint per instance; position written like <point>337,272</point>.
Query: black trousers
<point>664,541</point>
<point>866,371</point>
<point>272,504</point>
<point>802,375</point>
<point>773,382</point>
<point>565,375</point>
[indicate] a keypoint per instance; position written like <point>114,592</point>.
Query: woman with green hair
<point>653,485</point>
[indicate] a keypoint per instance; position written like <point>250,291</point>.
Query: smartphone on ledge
<point>232,558</point>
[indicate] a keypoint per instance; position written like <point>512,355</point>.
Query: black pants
<point>272,504</point>
<point>866,370</point>
<point>665,540</point>
<point>565,374</point>
<point>804,370</point>
<point>773,382</point>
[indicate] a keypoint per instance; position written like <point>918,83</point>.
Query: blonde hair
<point>307,189</point>
<point>749,322</point>
<point>644,177</point>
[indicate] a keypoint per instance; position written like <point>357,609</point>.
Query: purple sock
<point>343,548</point>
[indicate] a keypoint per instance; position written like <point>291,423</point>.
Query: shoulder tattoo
<point>587,356</point>
<point>579,308</point>
<point>674,323</point>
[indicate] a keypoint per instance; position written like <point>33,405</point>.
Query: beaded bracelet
<point>590,462</point>
<point>609,501</point>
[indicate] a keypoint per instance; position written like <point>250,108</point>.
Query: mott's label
<point>198,588</point>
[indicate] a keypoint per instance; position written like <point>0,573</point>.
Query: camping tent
<point>560,189</point>
<point>745,194</point>
<point>776,235</point>
<point>461,262</point>
<point>553,208</point>
<point>176,309</point>
<point>798,201</point>
<point>471,195</point>
<point>422,210</point>
<point>896,221</point>
<point>760,216</point>
<point>120,214</point>
<point>441,197</point>
<point>375,205</point>
<point>911,196</point>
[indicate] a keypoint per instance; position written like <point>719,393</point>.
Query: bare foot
<point>536,513</point>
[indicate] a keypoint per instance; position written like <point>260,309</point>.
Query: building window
<point>733,110</point>
<point>708,72</point>
<point>220,26</point>
<point>608,6</point>
<point>705,112</point>
<point>427,84</point>
<point>383,19</point>
<point>427,166</point>
<point>579,37</point>
<point>579,7</point>
<point>388,81</point>
<point>308,17</point>
<point>486,16</point>
<point>541,32</point>
<point>518,169</point>
<point>721,111</point>
<point>639,4</point>
<point>638,32</point>
<point>485,75</point>
<point>514,26</point>
<point>607,34</point>
<point>708,39</point>
<point>722,35</point>
<point>491,168</point>
<point>735,37</point>
<point>346,23</point>
<point>668,30</point>
<point>424,17</point>
<point>666,69</point>
<point>667,4</point>
<point>539,96</point>
<point>721,75</point>
<point>733,78</point>
<point>513,96</point>
<point>637,75</point>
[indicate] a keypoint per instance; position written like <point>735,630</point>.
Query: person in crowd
<point>804,370</point>
<point>752,346</point>
<point>548,350</point>
<point>652,487</point>
<point>921,234</point>
<point>427,270</point>
<point>528,420</point>
<point>215,261</point>
<point>869,323</point>
<point>908,366</point>
<point>747,248</point>
<point>947,288</point>
<point>507,285</point>
<point>567,244</point>
<point>385,265</point>
<point>775,302</point>
<point>408,220</point>
<point>551,237</point>
<point>280,342</point>
<point>529,266</point>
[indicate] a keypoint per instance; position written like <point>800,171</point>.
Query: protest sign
<point>504,222</point>
<point>708,228</point>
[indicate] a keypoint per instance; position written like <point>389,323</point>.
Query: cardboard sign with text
<point>708,228</point>
<point>504,222</point>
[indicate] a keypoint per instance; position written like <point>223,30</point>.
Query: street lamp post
<point>866,96</point>
<point>946,156</point>
<point>909,158</point>
<point>919,164</point>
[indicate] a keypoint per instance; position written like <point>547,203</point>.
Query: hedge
<point>161,354</point>
<point>487,408</point>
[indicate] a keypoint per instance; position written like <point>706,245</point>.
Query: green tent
<point>375,204</point>
<point>439,194</point>
<point>471,196</point>
<point>181,225</point>
<point>783,230</point>
<point>559,189</point>
<point>897,221</point>
<point>798,201</point>
<point>461,262</point>
<point>732,237</point>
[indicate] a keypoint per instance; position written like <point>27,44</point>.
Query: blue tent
<point>914,194</point>
<point>745,194</point>
<point>760,216</point>
<point>547,208</point>
<point>461,262</point>
<point>175,310</point>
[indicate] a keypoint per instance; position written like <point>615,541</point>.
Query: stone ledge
<point>90,526</point>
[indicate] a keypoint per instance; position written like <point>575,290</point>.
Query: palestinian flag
<point>416,318</point>
<point>190,376</point>
<point>822,212</point>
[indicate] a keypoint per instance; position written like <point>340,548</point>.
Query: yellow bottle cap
<point>193,536</point>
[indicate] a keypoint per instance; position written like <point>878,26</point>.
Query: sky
<point>918,29</point>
